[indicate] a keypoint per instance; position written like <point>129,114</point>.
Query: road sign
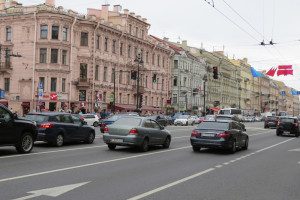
<point>41,86</point>
<point>52,192</point>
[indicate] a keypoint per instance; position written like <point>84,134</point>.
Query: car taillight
<point>195,133</point>
<point>278,123</point>
<point>296,124</point>
<point>102,124</point>
<point>133,132</point>
<point>223,135</point>
<point>105,129</point>
<point>46,125</point>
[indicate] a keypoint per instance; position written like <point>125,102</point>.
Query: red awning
<point>215,109</point>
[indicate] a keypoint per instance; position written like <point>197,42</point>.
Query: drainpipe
<point>71,61</point>
<point>34,62</point>
<point>94,65</point>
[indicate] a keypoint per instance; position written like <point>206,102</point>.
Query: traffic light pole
<point>114,100</point>
<point>138,86</point>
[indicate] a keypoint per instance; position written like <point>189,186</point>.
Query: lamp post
<point>140,61</point>
<point>204,93</point>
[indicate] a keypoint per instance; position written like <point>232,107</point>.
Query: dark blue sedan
<point>58,128</point>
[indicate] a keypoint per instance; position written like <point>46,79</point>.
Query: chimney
<point>126,11</point>
<point>50,2</point>
<point>144,20</point>
<point>139,17</point>
<point>117,8</point>
<point>184,43</point>
<point>104,12</point>
<point>132,14</point>
<point>166,39</point>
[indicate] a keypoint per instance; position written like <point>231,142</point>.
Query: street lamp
<point>204,93</point>
<point>139,60</point>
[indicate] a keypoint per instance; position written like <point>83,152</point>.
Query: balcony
<point>82,82</point>
<point>5,67</point>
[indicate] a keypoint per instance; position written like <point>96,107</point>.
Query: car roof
<point>48,113</point>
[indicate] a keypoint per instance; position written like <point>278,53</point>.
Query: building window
<point>44,31</point>
<point>129,51</point>
<point>84,40</point>
<point>146,82</point>
<point>83,71</point>
<point>114,46</point>
<point>147,57</point>
<point>8,33</point>
<point>55,31</point>
<point>63,85</point>
<point>105,74</point>
<point>158,60</point>
<point>82,95</point>
<point>98,42</point>
<point>136,31</point>
<point>120,77</point>
<point>97,72</point>
<point>42,81</point>
<point>175,81</point>
<point>65,34</point>
<point>106,44</point>
<point>53,84</point>
<point>135,51</point>
<point>146,100</point>
<point>121,49</point>
<point>163,62</point>
<point>162,84</point>
<point>7,57</point>
<point>43,55</point>
<point>184,81</point>
<point>6,84</point>
<point>54,55</point>
<point>130,29</point>
<point>174,100</point>
<point>104,97</point>
<point>64,57</point>
<point>120,97</point>
<point>175,64</point>
<point>143,33</point>
<point>128,98</point>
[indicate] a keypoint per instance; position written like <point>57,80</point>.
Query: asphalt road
<point>269,169</point>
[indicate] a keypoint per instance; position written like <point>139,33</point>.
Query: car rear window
<point>287,120</point>
<point>88,116</point>
<point>213,126</point>
<point>272,118</point>
<point>37,118</point>
<point>128,121</point>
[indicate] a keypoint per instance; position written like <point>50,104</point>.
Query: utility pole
<point>139,60</point>
<point>204,94</point>
<point>114,100</point>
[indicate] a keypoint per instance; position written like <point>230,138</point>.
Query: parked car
<point>136,131</point>
<point>91,119</point>
<point>288,125</point>
<point>271,122</point>
<point>185,120</point>
<point>16,132</point>
<point>201,119</point>
<point>112,119</point>
<point>58,128</point>
<point>228,117</point>
<point>160,119</point>
<point>219,134</point>
<point>210,118</point>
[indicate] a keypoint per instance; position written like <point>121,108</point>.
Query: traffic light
<point>154,78</point>
<point>215,72</point>
<point>133,75</point>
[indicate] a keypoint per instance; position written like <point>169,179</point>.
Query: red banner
<point>53,96</point>
<point>285,70</point>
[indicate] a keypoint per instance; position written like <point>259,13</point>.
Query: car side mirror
<point>15,116</point>
<point>245,129</point>
<point>162,127</point>
<point>82,122</point>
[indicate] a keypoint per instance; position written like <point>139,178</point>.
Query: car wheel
<point>245,147</point>
<point>95,124</point>
<point>193,123</point>
<point>145,145</point>
<point>112,146</point>
<point>59,140</point>
<point>167,142</point>
<point>25,144</point>
<point>90,139</point>
<point>233,147</point>
<point>265,126</point>
<point>297,134</point>
<point>278,133</point>
<point>196,149</point>
<point>187,123</point>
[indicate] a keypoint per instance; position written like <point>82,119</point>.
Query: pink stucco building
<point>68,60</point>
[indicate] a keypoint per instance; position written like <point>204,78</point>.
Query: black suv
<point>16,132</point>
<point>288,125</point>
<point>271,121</point>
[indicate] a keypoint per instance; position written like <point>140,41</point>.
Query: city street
<point>269,169</point>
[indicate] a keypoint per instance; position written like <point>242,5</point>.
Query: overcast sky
<point>199,23</point>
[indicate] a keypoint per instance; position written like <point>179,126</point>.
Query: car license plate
<point>208,135</point>
<point>116,140</point>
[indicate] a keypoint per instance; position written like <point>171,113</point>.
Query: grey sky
<point>197,22</point>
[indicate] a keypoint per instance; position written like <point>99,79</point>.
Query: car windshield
<point>114,118</point>
<point>287,120</point>
<point>37,118</point>
<point>272,118</point>
<point>213,126</point>
<point>88,116</point>
<point>183,117</point>
<point>128,121</point>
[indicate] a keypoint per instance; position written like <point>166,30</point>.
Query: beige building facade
<point>72,61</point>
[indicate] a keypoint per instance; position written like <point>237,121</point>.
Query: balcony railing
<point>82,82</point>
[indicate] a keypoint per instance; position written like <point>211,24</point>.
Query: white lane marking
<point>294,150</point>
<point>218,166</point>
<point>91,164</point>
<point>260,133</point>
<point>299,162</point>
<point>52,192</point>
<point>196,175</point>
<point>56,151</point>
<point>188,136</point>
<point>171,184</point>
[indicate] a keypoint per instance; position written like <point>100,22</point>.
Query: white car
<point>91,119</point>
<point>185,120</point>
